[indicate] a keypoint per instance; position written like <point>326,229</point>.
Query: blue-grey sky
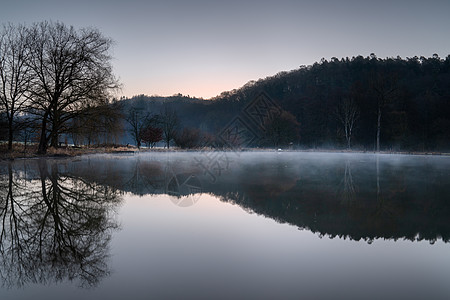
<point>201,48</point>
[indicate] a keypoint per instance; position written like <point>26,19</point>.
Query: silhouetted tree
<point>14,74</point>
<point>188,138</point>
<point>151,135</point>
<point>138,120</point>
<point>28,129</point>
<point>169,122</point>
<point>96,125</point>
<point>71,70</point>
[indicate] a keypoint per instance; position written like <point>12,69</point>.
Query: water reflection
<point>58,215</point>
<point>347,187</point>
<point>351,196</point>
<point>55,226</point>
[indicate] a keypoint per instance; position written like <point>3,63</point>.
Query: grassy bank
<point>19,151</point>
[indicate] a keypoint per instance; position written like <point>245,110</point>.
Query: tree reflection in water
<point>55,227</point>
<point>347,190</point>
<point>57,219</point>
<point>359,196</point>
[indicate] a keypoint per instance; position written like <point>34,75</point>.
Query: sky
<point>201,48</point>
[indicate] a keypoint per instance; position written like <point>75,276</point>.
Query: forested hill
<point>410,98</point>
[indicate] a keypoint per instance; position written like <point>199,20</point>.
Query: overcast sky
<point>201,48</point>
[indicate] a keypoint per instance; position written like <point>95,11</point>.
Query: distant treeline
<point>402,103</point>
<point>412,97</point>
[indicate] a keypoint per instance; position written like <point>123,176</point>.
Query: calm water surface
<point>224,226</point>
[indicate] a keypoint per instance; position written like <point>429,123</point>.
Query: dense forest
<point>411,96</point>
<point>57,88</point>
<point>346,103</point>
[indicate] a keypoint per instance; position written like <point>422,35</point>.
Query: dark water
<point>224,226</point>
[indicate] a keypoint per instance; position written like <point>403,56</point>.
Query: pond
<point>224,225</point>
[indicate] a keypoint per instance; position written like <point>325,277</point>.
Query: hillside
<point>411,96</point>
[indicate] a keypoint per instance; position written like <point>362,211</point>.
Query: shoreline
<point>75,152</point>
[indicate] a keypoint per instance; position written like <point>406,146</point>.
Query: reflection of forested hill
<point>359,197</point>
<point>396,214</point>
<point>342,196</point>
<point>348,198</point>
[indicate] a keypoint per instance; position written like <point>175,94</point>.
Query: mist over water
<point>214,224</point>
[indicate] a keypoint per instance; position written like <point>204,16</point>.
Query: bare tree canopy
<point>14,74</point>
<point>151,135</point>
<point>347,114</point>
<point>138,121</point>
<point>100,124</point>
<point>169,123</point>
<point>71,71</point>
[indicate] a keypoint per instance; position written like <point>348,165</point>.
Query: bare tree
<point>347,114</point>
<point>151,135</point>
<point>385,88</point>
<point>111,118</point>
<point>138,121</point>
<point>101,124</point>
<point>188,138</point>
<point>14,74</point>
<point>71,72</point>
<point>28,129</point>
<point>169,122</point>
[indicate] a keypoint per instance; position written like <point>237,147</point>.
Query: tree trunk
<point>42,149</point>
<point>54,136</point>
<point>55,124</point>
<point>54,140</point>
<point>378,128</point>
<point>10,133</point>
<point>378,180</point>
<point>347,136</point>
